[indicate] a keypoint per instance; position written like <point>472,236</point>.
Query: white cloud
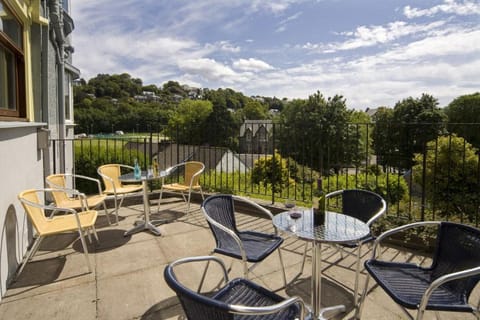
<point>367,36</point>
<point>251,65</point>
<point>282,25</point>
<point>396,60</point>
<point>449,6</point>
<point>207,69</point>
<point>275,6</point>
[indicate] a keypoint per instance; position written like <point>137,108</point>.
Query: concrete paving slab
<point>74,303</point>
<point>127,282</point>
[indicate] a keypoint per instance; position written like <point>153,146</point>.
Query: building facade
<point>36,105</point>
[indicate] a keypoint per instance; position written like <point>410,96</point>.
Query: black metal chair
<point>238,299</point>
<point>364,205</point>
<point>445,285</point>
<point>249,246</point>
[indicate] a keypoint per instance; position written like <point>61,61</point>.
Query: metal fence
<point>422,176</point>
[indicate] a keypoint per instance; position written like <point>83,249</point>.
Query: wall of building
<point>21,167</point>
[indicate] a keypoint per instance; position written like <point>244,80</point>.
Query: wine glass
<point>290,204</point>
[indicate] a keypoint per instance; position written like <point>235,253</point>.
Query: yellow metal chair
<point>67,198</point>
<point>191,181</point>
<point>110,174</point>
<point>47,223</point>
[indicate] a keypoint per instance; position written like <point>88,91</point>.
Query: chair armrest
<point>229,232</point>
<point>52,208</point>
<point>390,232</point>
<point>258,207</point>
<point>254,204</point>
<point>444,279</point>
<point>90,179</point>
<point>203,258</point>
<point>246,310</point>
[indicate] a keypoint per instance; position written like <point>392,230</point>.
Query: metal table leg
<point>146,224</point>
<point>318,311</point>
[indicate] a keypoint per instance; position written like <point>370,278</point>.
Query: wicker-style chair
<point>248,246</point>
<point>48,221</point>
<point>445,285</point>
<point>110,174</point>
<point>190,181</point>
<point>364,205</point>
<point>237,299</point>
<point>67,198</point>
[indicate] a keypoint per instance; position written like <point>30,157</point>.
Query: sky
<point>373,53</point>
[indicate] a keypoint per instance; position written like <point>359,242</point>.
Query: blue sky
<point>372,52</point>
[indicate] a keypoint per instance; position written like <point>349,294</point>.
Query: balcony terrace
<point>127,282</point>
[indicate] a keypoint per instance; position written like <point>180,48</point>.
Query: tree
<point>464,117</point>
<point>382,136</point>
<point>219,128</point>
<point>450,176</point>
<point>254,110</point>
<point>271,171</point>
<point>412,124</point>
<point>189,120</point>
<point>321,127</point>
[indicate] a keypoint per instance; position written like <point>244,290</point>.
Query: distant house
<point>214,158</point>
<point>147,96</point>
<point>255,137</point>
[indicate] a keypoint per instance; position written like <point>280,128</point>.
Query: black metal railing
<point>421,177</point>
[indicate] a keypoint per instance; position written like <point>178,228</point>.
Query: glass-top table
<point>337,228</point>
<point>146,224</point>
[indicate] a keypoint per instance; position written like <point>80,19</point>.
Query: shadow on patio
<point>127,282</point>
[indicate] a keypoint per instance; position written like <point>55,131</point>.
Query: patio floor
<point>127,282</point>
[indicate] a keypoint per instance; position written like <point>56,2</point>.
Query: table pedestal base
<point>143,226</point>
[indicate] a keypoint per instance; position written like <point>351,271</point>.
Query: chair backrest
<point>193,169</point>
<point>196,305</point>
<point>58,181</point>
<point>220,208</point>
<point>458,248</point>
<point>36,214</point>
<point>113,171</point>
<point>362,204</point>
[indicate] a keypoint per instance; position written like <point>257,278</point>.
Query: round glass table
<point>336,228</point>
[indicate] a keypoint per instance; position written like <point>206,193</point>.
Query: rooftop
<point>127,282</point>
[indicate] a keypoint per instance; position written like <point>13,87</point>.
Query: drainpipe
<point>56,20</point>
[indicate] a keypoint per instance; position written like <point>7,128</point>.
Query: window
<point>12,69</point>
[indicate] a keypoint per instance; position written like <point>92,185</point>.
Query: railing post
<point>424,179</point>
<point>273,162</point>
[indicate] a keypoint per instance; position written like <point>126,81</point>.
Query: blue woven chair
<point>445,285</point>
<point>364,205</point>
<point>238,299</point>
<point>249,246</point>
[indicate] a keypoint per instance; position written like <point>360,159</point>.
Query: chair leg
<point>85,249</point>
<point>357,273</point>
<point>107,214</point>
<point>304,257</point>
<point>188,202</point>
<point>245,269</point>
<point>87,231</point>
<point>30,254</point>
<point>283,268</point>
<point>95,233</point>
<point>359,307</point>
<point>203,277</point>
